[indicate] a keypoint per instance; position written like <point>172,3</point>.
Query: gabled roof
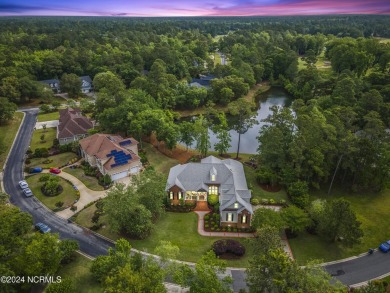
<point>72,123</point>
<point>230,177</point>
<point>108,147</point>
<point>53,83</point>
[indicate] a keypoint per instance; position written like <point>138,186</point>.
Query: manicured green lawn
<point>7,135</point>
<point>58,160</point>
<point>160,162</point>
<point>372,211</point>
<point>67,196</point>
<point>48,116</point>
<point>89,181</point>
<point>79,271</point>
<point>178,228</point>
<point>50,135</point>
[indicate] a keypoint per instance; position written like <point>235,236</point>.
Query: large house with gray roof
<point>193,182</point>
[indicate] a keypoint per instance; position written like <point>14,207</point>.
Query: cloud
<point>194,8</point>
<point>4,7</point>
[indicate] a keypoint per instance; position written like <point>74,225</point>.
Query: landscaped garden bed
<point>228,249</point>
<point>212,224</point>
<point>61,201</point>
<point>183,207</point>
<point>93,172</point>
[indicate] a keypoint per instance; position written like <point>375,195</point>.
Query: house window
<point>229,217</point>
<point>213,189</point>
<point>243,219</point>
<point>236,205</point>
<point>179,195</point>
<point>212,177</point>
<point>170,195</point>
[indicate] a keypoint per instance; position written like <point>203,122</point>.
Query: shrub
<point>207,217</point>
<point>264,201</point>
<point>213,199</point>
<point>206,225</point>
<point>51,187</point>
<point>28,161</point>
<point>266,176</point>
<point>73,208</point>
<point>41,153</point>
<point>95,217</point>
<point>217,217</point>
<point>223,246</point>
<point>99,205</point>
<point>299,194</point>
<point>272,201</point>
<point>47,161</point>
<point>212,228</point>
<point>59,204</point>
<point>216,208</point>
<point>255,201</point>
<point>44,178</point>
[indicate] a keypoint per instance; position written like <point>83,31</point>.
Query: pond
<point>249,142</point>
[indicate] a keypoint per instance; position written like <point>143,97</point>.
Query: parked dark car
<point>36,170</point>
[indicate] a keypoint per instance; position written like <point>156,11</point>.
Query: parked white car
<point>23,184</point>
<point>27,192</point>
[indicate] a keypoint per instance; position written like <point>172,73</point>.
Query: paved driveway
<point>86,195</point>
<point>49,124</point>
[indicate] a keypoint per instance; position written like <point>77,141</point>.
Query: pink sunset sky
<point>191,8</point>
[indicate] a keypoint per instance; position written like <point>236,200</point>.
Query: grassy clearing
<point>321,64</point>
<point>67,196</point>
<point>160,162</point>
<point>79,271</point>
<point>89,181</point>
<point>48,116</point>
<point>58,160</point>
<point>50,135</point>
<point>372,211</point>
<point>7,136</point>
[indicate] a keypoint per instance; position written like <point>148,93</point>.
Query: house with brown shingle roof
<point>72,125</point>
<point>112,154</point>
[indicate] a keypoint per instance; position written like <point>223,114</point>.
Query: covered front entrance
<point>196,195</point>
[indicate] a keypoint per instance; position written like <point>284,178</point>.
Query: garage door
<point>119,175</point>
<point>134,170</point>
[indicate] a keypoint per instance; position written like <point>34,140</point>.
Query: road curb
<point>10,149</point>
<point>345,259</point>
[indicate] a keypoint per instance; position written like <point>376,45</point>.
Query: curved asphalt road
<point>89,243</point>
<point>349,272</point>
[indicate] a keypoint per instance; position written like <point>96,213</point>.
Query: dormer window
<point>236,205</point>
<point>213,174</point>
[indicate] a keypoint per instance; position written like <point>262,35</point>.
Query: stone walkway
<point>86,195</point>
<point>201,231</point>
